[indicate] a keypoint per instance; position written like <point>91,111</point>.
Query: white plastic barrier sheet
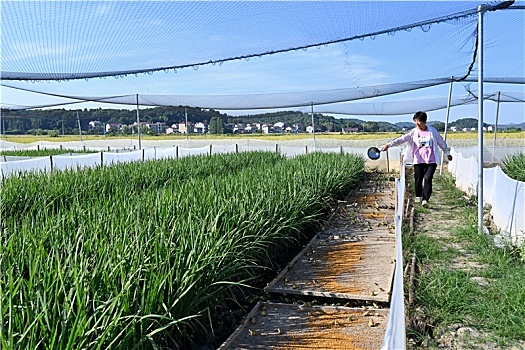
<point>465,171</point>
<point>506,196</point>
<point>114,158</point>
<point>160,153</point>
<point>167,153</point>
<point>63,162</point>
<point>294,151</point>
<point>249,148</point>
<point>395,335</point>
<point>184,152</point>
<point>223,149</point>
<point>42,164</point>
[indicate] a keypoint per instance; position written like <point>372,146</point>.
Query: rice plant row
<point>137,256</point>
<point>41,152</point>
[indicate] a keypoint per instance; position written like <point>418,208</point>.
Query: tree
<point>439,126</point>
<point>371,126</point>
<point>216,126</point>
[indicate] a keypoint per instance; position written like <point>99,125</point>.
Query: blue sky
<point>335,66</point>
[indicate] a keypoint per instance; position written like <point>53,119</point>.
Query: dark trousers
<point>424,172</point>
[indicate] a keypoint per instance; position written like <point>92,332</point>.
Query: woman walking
<point>422,151</point>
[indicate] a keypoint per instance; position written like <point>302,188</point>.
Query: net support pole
<point>313,125</point>
<point>495,128</point>
<point>187,130</point>
<point>79,128</point>
<point>446,123</point>
<point>480,119</point>
<point>138,122</point>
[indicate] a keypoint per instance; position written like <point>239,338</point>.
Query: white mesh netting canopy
<point>159,53</point>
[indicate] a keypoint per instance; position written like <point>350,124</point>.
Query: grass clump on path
<point>468,294</point>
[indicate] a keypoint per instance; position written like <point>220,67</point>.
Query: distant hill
<point>466,123</point>
<point>408,125</point>
<point>512,126</point>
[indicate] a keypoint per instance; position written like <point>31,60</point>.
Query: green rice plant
<point>514,166</point>
<point>139,255</point>
<point>61,188</point>
<point>41,152</point>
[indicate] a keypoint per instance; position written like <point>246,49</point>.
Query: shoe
<point>418,199</point>
<point>424,203</point>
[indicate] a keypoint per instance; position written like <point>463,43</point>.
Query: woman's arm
<point>400,140</point>
<point>441,143</point>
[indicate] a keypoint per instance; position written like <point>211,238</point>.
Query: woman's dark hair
<point>421,116</point>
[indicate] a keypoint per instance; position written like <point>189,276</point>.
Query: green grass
<point>448,295</point>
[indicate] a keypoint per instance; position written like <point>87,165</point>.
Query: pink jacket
<point>412,135</point>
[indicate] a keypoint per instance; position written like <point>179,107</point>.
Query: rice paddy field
<point>26,139</point>
<point>139,255</point>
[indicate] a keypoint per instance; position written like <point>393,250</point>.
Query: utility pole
<point>79,127</point>
<point>187,130</point>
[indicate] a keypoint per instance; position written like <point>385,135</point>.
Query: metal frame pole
<point>313,126</point>
<point>187,130</point>
<point>480,119</point>
<point>79,128</point>
<point>446,123</point>
<point>138,123</point>
<point>495,128</point>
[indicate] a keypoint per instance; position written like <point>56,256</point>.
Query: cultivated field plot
<point>354,256</point>
<point>286,326</point>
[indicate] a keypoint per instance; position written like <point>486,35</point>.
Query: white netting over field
<point>164,35</point>
<point>156,52</point>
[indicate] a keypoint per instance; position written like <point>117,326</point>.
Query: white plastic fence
<point>79,161</point>
<point>506,196</point>
<point>395,335</point>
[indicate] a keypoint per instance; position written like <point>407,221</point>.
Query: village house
<point>250,128</point>
<point>157,128</point>
<point>239,128</point>
<point>114,127</point>
<point>267,128</point>
<point>228,127</point>
<point>174,129</point>
<point>278,127</point>
<point>182,127</point>
<point>94,124</point>
<point>200,128</point>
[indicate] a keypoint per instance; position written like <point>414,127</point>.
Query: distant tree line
<point>56,122</point>
<point>66,121</point>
